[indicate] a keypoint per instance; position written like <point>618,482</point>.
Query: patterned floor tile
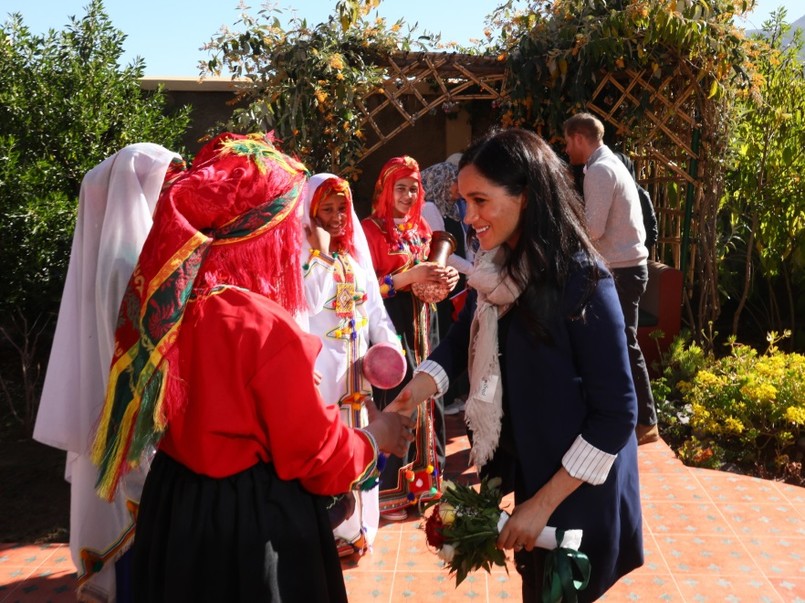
<point>672,487</point>
<point>653,561</point>
<point>684,517</point>
<point>718,588</point>
<point>24,556</point>
<point>687,554</point>
<point>44,586</point>
<point>767,519</point>
<point>369,586</point>
<point>778,557</point>
<point>414,555</point>
<point>644,586</point>
<point>792,590</point>
<point>504,587</point>
<point>382,557</point>
<point>439,586</point>
<point>795,495</point>
<point>725,487</point>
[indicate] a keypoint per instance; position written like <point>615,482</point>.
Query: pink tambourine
<point>384,366</point>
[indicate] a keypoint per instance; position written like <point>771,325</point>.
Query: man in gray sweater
<point>615,225</point>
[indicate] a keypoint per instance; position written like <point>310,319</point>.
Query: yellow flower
<point>795,414</point>
<point>759,392</point>
<point>705,378</point>
<point>321,96</point>
<point>336,61</point>
<point>733,426</point>
<point>447,513</point>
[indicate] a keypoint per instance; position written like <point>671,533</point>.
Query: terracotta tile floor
<point>709,537</point>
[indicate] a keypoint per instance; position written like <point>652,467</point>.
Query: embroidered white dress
<point>345,309</point>
<point>347,313</point>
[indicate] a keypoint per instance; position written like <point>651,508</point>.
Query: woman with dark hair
<point>552,406</point>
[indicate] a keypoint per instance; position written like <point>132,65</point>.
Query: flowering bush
<point>745,408</point>
<point>305,81</point>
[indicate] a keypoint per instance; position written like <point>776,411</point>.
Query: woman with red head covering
<point>210,366</point>
<point>346,311</point>
<point>399,241</point>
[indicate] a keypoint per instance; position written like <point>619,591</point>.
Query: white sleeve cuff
<point>435,370</point>
<point>588,463</point>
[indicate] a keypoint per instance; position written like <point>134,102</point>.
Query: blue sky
<point>168,34</point>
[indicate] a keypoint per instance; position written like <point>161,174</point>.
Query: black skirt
<point>250,537</point>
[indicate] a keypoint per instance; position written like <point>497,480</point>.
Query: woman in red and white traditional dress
<point>399,241</point>
<point>346,311</point>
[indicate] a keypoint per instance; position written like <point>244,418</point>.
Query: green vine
<point>304,82</point>
<point>559,50</point>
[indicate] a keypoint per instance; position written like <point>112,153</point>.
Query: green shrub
<point>745,409</point>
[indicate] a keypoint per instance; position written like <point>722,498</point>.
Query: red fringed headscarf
<point>229,220</point>
<point>340,187</point>
<point>383,198</point>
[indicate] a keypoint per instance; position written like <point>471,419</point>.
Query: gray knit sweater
<point>614,216</point>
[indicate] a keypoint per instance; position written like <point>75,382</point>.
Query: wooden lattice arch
<point>662,142</point>
<point>662,139</point>
<point>421,82</point>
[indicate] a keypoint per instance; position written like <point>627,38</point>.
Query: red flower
<point>433,529</point>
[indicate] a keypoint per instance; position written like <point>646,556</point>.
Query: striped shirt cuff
<point>588,463</point>
<point>435,370</point>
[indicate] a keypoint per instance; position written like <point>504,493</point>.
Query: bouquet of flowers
<point>464,528</point>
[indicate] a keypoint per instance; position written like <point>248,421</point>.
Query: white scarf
<point>497,291</point>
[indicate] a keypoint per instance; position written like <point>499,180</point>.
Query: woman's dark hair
<point>553,222</point>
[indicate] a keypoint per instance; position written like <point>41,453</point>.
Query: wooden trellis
<point>661,141</point>
<point>662,144</point>
<point>422,82</point>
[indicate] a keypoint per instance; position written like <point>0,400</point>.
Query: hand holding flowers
<point>464,528</point>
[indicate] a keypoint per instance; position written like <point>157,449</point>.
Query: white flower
<point>447,552</point>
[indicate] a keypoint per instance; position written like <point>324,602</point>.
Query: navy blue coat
<point>580,383</point>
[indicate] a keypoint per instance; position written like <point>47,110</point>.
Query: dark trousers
<point>631,284</point>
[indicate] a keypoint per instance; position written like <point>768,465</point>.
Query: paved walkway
<point>709,537</point>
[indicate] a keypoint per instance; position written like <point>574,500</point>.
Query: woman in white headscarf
<point>346,311</point>
<point>441,211</point>
<point>115,206</point>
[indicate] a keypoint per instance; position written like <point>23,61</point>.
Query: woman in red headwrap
<point>210,366</point>
<point>346,311</point>
<point>399,241</point>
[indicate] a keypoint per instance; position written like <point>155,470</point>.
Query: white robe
<point>116,202</point>
<point>339,359</point>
